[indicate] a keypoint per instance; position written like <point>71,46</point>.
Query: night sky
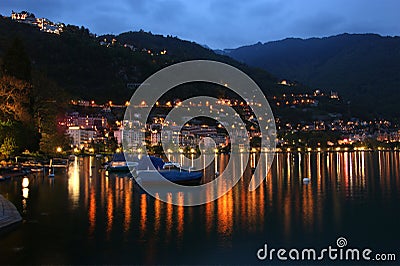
<point>222,23</point>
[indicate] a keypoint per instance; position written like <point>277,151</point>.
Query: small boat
<point>182,177</point>
<point>51,173</point>
<point>51,170</point>
<point>170,171</point>
<point>171,165</point>
<point>306,180</point>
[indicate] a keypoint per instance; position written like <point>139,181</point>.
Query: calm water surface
<point>84,216</point>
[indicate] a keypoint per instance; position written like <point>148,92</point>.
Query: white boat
<point>51,173</point>
<point>171,165</point>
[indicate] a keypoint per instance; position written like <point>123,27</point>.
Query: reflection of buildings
<point>74,183</point>
<point>114,207</point>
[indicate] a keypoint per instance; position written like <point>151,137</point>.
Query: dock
<point>9,214</point>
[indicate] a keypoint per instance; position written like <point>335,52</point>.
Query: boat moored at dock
<point>170,171</point>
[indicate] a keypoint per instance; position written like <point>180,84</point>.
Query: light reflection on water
<point>74,183</point>
<point>110,219</point>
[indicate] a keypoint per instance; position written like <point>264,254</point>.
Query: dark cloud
<point>316,24</point>
<point>221,23</point>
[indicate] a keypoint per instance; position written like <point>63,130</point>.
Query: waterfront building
<point>85,121</point>
<point>81,137</point>
<point>130,134</point>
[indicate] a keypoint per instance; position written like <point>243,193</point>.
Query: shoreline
<point>287,149</point>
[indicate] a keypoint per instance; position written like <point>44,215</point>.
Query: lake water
<point>83,216</point>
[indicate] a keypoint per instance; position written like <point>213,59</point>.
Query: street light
<point>59,149</point>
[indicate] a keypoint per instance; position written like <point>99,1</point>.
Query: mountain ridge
<point>362,67</point>
<point>227,50</point>
<point>77,61</point>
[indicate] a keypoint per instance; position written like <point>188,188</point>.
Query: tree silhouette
<point>16,61</point>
